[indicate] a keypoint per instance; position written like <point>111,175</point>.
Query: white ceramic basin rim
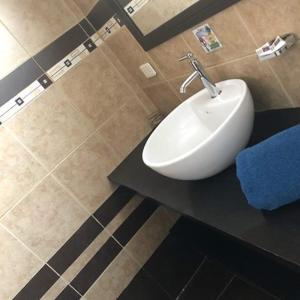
<point>202,133</point>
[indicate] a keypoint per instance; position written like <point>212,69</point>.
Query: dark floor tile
<point>38,285</point>
<point>112,206</point>
<point>240,290</point>
<point>173,264</point>
<point>68,294</point>
<point>74,247</point>
<point>210,280</point>
<point>96,266</point>
<point>248,263</point>
<point>143,288</point>
<point>135,221</point>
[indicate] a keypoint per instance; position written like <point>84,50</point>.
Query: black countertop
<point>218,201</point>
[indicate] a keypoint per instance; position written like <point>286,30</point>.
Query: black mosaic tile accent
<point>45,81</point>
<point>61,47</point>
<point>72,249</point>
<point>68,63</point>
<point>100,14</point>
<point>239,289</point>
<point>68,294</point>
<point>111,207</point>
<point>38,285</point>
<point>19,101</point>
<point>89,45</point>
<point>18,80</point>
<point>173,264</point>
<point>95,267</point>
<point>87,27</point>
<point>209,281</point>
<point>143,287</point>
<point>135,221</point>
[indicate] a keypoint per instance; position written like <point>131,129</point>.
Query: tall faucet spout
<point>212,89</point>
<point>187,82</point>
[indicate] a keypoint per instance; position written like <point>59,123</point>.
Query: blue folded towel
<point>269,172</point>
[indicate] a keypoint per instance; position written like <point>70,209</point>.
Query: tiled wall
<point>71,113</point>
<point>241,29</point>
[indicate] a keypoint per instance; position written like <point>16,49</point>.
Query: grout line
<point>226,287</point>
<point>44,263</point>
<point>192,277</point>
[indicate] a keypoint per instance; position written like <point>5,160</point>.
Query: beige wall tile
<point>149,237</point>
<point>269,18</point>
<point>45,219</point>
<point>19,171</point>
<point>126,129</point>
<point>17,265</point>
<point>287,68</point>
<point>265,88</point>
<point>12,54</point>
<point>114,279</point>
<point>55,127</point>
<point>142,97</point>
<point>95,88</point>
<point>192,89</point>
<point>233,35</point>
<point>130,53</point>
<point>36,23</point>
<point>162,96</point>
<point>85,5</point>
<point>167,56</point>
<point>85,172</point>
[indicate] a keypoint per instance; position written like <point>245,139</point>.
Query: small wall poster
<point>207,38</point>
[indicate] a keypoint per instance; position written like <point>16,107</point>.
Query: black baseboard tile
<point>74,247</point>
<point>38,285</point>
<point>100,14</point>
<point>18,80</point>
<point>112,206</point>
<point>61,47</point>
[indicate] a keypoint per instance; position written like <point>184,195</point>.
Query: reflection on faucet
<point>198,73</point>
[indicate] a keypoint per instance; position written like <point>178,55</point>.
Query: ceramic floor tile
<point>85,172</point>
<point>19,171</point>
<point>17,265</point>
<point>45,219</point>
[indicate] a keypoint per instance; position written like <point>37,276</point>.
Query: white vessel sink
<point>202,136</point>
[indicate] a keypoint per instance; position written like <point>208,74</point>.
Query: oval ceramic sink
<point>202,136</point>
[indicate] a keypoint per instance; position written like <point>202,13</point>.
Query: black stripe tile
<point>87,27</point>
<point>111,207</point>
<point>173,264</point>
<point>142,287</point>
<point>18,80</point>
<point>95,267</point>
<point>239,289</point>
<point>38,285</point>
<point>61,47</point>
<point>209,281</point>
<point>73,248</point>
<point>100,14</point>
<point>135,221</point>
<point>68,294</point>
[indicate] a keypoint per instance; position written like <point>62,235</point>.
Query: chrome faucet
<point>213,90</point>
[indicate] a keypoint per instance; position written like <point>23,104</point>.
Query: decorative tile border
<point>28,81</point>
<point>15,104</point>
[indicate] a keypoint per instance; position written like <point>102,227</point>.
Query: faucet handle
<point>189,56</point>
